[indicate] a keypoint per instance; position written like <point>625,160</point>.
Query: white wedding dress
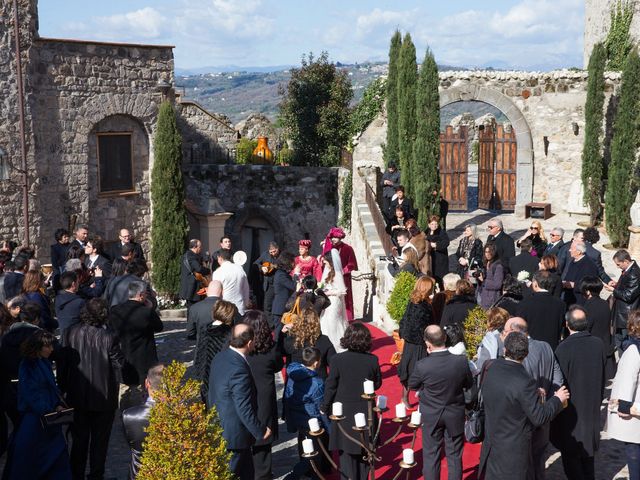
<point>333,320</point>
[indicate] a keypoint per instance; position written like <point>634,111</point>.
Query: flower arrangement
<point>168,302</point>
<point>523,276</point>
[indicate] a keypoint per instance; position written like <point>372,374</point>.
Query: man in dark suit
<point>135,420</point>
<point>59,250</point>
<point>541,365</point>
<point>543,312</point>
<point>390,181</point>
<point>81,234</point>
<point>270,256</point>
<point>626,294</point>
<point>136,322</point>
<point>13,280</point>
<point>505,246</point>
<point>201,314</point>
<point>441,378</point>
<point>513,409</point>
<point>225,244</point>
<point>591,237</point>
<point>190,265</point>
<point>564,254</point>
<point>233,392</point>
<point>125,238</point>
<point>93,258</point>
<point>524,261</point>
<point>580,266</point>
<point>576,431</point>
<point>556,242</point>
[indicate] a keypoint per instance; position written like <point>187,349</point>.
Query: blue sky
<point>521,34</point>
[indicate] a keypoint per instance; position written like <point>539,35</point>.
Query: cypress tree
<point>426,149</point>
<point>169,223</point>
<point>407,78</point>
<point>624,145</point>
<point>392,150</point>
<point>592,161</point>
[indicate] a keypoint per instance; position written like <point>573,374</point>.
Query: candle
<point>314,424</point>
<point>401,411</point>
<point>337,409</point>
<point>407,456</point>
<point>381,402</point>
<point>307,446</point>
<point>368,387</point>
<point>416,418</point>
<point>361,420</point>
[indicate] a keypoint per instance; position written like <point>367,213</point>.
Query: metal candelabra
<point>370,445</point>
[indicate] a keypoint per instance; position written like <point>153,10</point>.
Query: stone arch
<point>524,173</point>
<point>245,214</point>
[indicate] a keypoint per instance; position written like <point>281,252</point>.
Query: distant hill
<point>239,91</point>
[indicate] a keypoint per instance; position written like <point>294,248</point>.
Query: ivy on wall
<point>618,42</point>
<point>369,107</point>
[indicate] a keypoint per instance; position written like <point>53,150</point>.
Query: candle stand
<point>371,444</point>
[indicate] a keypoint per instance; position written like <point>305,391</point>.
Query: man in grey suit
<point>201,314</point>
<point>541,365</point>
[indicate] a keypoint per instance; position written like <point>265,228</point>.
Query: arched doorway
<point>515,173</point>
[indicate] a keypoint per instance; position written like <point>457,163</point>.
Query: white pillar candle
<point>307,446</point>
<point>368,387</point>
<point>361,420</point>
<point>401,411</point>
<point>381,402</point>
<point>416,418</point>
<point>407,456</point>
<point>314,424</point>
<point>337,409</point>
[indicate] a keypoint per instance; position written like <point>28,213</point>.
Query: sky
<point>516,34</point>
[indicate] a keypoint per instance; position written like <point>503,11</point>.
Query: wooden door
<point>505,169</point>
<point>454,163</point>
<point>486,159</point>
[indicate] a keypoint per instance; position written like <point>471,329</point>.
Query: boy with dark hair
<point>303,396</point>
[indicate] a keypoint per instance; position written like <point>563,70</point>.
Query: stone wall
<point>206,137</point>
<point>538,105</point>
<point>296,202</point>
<point>597,21</point>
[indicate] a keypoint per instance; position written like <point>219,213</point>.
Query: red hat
<point>305,243</point>
<point>336,232</point>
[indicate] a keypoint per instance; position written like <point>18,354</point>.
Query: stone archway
<point>524,175</point>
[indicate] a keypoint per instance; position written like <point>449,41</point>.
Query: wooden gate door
<point>454,163</point>
<point>486,159</point>
<point>505,169</point>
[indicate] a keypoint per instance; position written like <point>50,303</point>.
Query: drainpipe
<point>23,142</point>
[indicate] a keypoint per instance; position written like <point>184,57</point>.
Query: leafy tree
<point>621,182</point>
<point>369,106</point>
<point>347,198</point>
<point>407,78</point>
<point>244,151</point>
<point>184,441</point>
<point>618,40</point>
<point>315,111</point>
<point>169,225</point>
<point>392,150</point>
<point>592,161</point>
<point>426,149</point>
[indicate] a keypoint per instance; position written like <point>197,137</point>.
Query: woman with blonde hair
<point>419,241</point>
<point>417,316</point>
<point>469,253</point>
<point>410,257</point>
<point>537,236</point>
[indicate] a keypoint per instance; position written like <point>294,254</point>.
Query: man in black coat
<point>513,409</point>
<point>125,238</point>
<point>136,323</point>
<point>524,261</point>
<point>201,314</point>
<point>269,257</point>
<point>441,379</point>
<point>68,303</point>
<point>81,234</point>
<point>564,255</point>
<point>556,242</point>
<point>225,244</point>
<point>13,280</point>
<point>135,420</point>
<point>233,392</point>
<point>543,312</point>
<point>626,294</point>
<point>390,181</point>
<point>580,266</point>
<point>576,431</point>
<point>190,265</point>
<point>505,246</point>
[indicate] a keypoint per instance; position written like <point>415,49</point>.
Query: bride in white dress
<point>333,320</point>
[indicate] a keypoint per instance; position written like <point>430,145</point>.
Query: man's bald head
<point>241,337</point>
<point>214,289</point>
<point>517,324</point>
<point>435,336</point>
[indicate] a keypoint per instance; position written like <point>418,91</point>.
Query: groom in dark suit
<point>233,392</point>
<point>440,378</point>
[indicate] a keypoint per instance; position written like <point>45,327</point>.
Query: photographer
<point>490,280</point>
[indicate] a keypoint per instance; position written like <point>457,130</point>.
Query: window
<point>4,165</point>
<point>115,162</point>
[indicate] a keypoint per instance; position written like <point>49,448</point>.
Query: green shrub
<point>284,156</point>
<point>184,441</point>
<point>475,327</point>
<point>347,196</point>
<point>244,151</point>
<point>619,42</point>
<point>369,107</point>
<point>399,298</point>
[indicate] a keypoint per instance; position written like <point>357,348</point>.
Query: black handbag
<point>61,417</point>
<point>474,423</point>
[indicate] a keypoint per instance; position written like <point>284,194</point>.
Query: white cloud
<point>144,23</point>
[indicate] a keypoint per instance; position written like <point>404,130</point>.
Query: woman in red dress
<point>305,264</point>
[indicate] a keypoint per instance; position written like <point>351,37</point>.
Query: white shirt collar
<point>238,352</point>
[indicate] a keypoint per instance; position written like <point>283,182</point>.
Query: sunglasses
<point>533,228</point>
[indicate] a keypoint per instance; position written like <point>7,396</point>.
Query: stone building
<point>597,21</point>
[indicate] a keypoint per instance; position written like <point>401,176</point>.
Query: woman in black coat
<point>469,253</point>
<point>439,242</point>
<point>417,316</point>
<point>310,296</point>
<point>512,294</point>
<point>459,306</point>
<point>283,287</point>
<point>265,361</point>
<point>549,263</point>
<point>599,318</point>
<point>348,371</point>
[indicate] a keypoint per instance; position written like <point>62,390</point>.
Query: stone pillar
<point>634,238</point>
<point>211,229</point>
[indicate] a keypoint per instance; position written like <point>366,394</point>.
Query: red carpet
<point>383,347</point>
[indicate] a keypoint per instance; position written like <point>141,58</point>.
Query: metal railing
<point>378,218</point>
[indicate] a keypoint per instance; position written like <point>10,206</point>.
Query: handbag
<point>474,423</point>
<point>292,315</point>
<point>58,417</point>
